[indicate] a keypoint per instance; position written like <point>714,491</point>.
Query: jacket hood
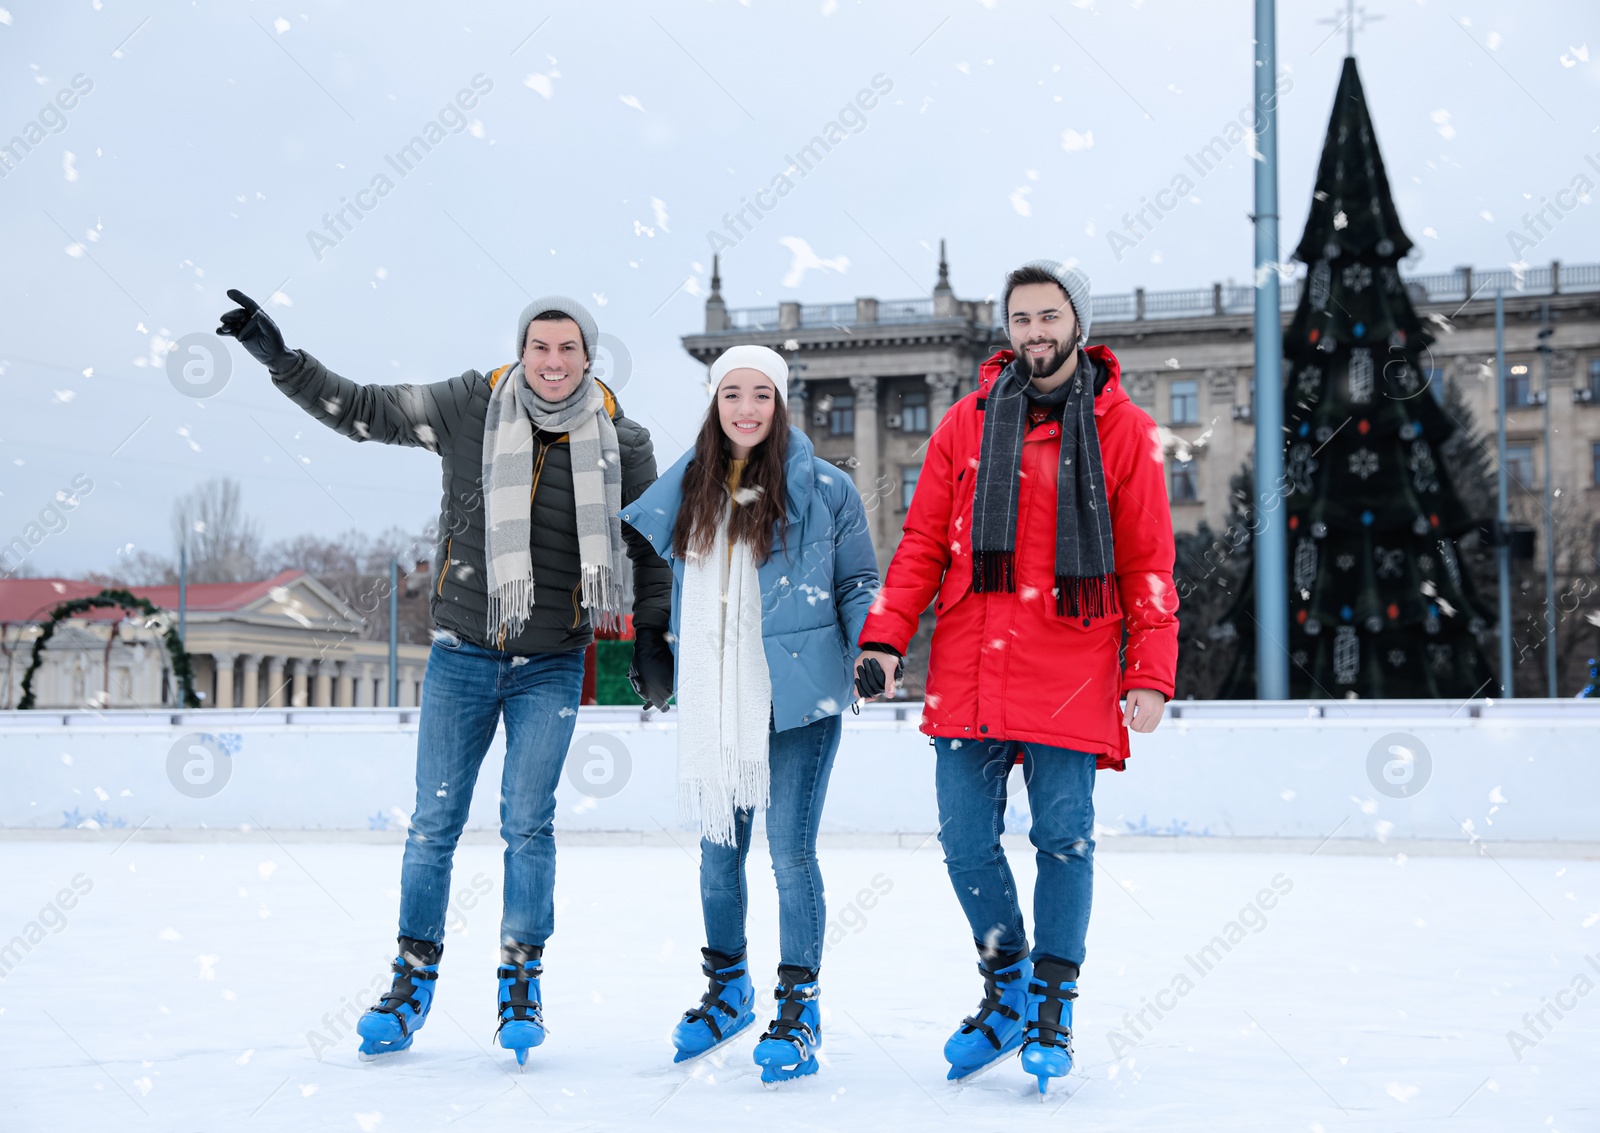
<point>1110,394</point>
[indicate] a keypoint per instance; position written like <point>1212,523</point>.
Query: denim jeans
<point>801,760</point>
<point>970,778</point>
<point>464,692</point>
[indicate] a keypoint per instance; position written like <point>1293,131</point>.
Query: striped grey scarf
<point>1085,561</point>
<point>515,411</point>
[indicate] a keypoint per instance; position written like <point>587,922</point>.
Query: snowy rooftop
<point>1459,286</point>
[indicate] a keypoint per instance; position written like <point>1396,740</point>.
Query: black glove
<point>870,679</point>
<point>257,333</point>
<point>651,672</point>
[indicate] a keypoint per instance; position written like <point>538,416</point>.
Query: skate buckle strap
<point>1049,1031</point>
<point>794,1029</point>
<point>712,999</point>
<point>517,1001</point>
<point>402,993</point>
<point>991,1005</point>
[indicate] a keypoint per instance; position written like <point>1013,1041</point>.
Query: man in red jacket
<point>1040,531</point>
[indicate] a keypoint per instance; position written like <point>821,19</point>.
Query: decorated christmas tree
<point>1379,605</point>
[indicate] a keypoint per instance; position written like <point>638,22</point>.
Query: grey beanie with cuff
<point>1076,284</point>
<point>572,309</point>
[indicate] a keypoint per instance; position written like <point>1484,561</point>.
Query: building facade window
<point>908,483</point>
<point>1185,487</point>
<point>914,411</point>
<point>1185,402</point>
<point>1594,461</point>
<point>842,415</point>
<point>1519,466</point>
<point>1435,377</point>
<point>1594,378</point>
<point>1518,386</point>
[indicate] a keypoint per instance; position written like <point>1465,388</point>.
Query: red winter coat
<point>1007,666</point>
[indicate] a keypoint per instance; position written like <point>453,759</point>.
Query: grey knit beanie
<point>571,308</point>
<point>1076,284</point>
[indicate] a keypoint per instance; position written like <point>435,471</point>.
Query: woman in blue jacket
<point>772,575</point>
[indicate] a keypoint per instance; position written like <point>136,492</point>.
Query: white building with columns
<point>286,641</point>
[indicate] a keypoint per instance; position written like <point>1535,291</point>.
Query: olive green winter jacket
<point>448,418</point>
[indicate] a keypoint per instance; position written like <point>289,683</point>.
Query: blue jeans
<point>970,779</point>
<point>801,759</point>
<point>464,692</point>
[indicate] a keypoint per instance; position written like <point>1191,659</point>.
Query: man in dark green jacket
<point>538,459</point>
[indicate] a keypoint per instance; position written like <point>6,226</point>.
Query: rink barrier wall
<point>1316,776</point>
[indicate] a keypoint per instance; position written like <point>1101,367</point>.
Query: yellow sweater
<point>735,474</point>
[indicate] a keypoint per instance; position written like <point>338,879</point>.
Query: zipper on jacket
<point>538,467</point>
<point>445,569</point>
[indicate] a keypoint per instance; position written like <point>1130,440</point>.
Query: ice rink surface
<point>198,987</point>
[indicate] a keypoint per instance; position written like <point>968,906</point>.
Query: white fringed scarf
<point>724,689</point>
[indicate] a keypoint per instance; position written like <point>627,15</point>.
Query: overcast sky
<point>205,142</point>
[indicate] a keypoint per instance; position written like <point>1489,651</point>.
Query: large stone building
<point>286,641</point>
<point>870,378</point>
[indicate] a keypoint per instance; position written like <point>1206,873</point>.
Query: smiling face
<point>1043,329</point>
<point>553,358</point>
<point>745,402</point>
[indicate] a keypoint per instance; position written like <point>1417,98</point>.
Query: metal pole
<point>1502,528</point>
<point>394,633</point>
<point>1549,511</point>
<point>183,594</point>
<point>1271,558</point>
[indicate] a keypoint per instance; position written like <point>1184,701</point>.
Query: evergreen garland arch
<point>125,600</point>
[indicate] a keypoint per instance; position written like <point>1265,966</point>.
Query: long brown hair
<point>705,489</point>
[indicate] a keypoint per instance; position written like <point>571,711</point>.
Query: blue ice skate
<point>521,1014</point>
<point>389,1026</point>
<point>1047,1040</point>
<point>994,1033</point>
<point>788,1048</point>
<point>725,1011</point>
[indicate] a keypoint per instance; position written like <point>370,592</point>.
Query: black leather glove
<point>257,333</point>
<point>651,672</point>
<point>870,680</point>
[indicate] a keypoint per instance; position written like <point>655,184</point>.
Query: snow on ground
<point>192,985</point>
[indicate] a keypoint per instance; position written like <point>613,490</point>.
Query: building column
<point>867,471</point>
<point>344,686</point>
<point>222,665</point>
<point>297,688</point>
<point>322,688</point>
<point>798,407</point>
<point>941,396</point>
<point>408,680</point>
<point>363,697</point>
<point>275,690</point>
<point>252,680</point>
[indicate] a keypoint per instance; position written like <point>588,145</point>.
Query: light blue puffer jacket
<point>815,589</point>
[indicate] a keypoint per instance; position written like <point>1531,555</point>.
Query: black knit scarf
<point>1085,563</point>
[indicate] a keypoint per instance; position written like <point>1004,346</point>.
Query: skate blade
<point>774,1076</point>
<point>364,1055</point>
<point>683,1056</point>
<point>973,1075</point>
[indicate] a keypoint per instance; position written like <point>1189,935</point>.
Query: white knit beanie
<point>762,358</point>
